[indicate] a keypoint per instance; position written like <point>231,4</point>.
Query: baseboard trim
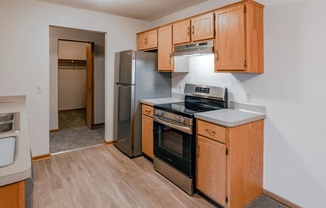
<point>99,125</point>
<point>281,199</point>
<point>42,157</point>
<point>54,130</point>
<point>71,109</point>
<point>110,142</point>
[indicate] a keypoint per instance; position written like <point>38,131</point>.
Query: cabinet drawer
<point>147,110</point>
<point>211,131</point>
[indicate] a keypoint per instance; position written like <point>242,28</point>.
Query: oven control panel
<point>202,90</point>
<point>167,116</point>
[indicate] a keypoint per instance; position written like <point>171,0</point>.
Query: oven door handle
<point>177,127</point>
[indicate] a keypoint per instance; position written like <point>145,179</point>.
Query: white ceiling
<point>140,9</point>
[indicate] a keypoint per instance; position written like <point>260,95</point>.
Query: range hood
<point>192,49</point>
<point>183,53</point>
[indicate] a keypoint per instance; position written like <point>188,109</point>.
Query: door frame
<point>90,48</point>
<point>90,54</point>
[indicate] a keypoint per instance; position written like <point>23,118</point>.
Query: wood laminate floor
<point>103,177</point>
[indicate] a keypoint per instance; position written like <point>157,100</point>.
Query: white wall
<point>292,88</point>
<point>71,89</point>
<point>24,55</point>
<point>72,50</point>
<point>71,82</point>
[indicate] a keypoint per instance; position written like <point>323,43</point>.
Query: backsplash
<point>201,72</point>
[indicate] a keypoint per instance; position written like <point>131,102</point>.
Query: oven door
<point>174,146</point>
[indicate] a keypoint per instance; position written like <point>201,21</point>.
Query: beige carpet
<point>74,133</point>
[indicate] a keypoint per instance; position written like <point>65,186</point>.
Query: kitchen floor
<point>73,133</point>
<point>104,177</point>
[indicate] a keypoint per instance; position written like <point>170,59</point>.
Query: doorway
<point>75,98</point>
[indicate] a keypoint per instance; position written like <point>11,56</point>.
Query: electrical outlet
<point>180,89</point>
<point>39,88</point>
<point>249,97</point>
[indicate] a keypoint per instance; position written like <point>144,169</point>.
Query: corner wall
<point>25,57</point>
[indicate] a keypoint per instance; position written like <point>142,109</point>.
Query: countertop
<point>157,101</point>
<point>238,113</point>
<point>21,169</point>
<point>234,117</point>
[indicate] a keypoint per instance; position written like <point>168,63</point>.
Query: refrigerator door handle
<point>123,85</point>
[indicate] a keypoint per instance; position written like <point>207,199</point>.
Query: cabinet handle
<point>147,111</point>
<point>193,30</point>
<point>212,133</point>
<point>198,148</point>
<point>145,41</point>
<point>188,31</point>
<point>217,56</point>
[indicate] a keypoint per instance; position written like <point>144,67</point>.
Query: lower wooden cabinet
<point>147,131</point>
<point>211,169</point>
<point>229,162</point>
<point>13,195</point>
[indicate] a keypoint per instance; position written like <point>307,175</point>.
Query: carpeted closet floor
<point>73,133</point>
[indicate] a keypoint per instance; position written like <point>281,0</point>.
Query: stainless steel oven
<point>174,133</point>
<point>174,148</point>
<point>175,145</point>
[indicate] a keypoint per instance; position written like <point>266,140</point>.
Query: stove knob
<point>182,119</point>
<point>156,112</point>
<point>160,112</point>
<point>177,118</point>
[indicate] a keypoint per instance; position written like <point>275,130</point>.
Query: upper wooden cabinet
<point>181,32</point>
<point>165,49</point>
<point>239,38</point>
<point>196,29</point>
<point>202,27</point>
<point>147,40</point>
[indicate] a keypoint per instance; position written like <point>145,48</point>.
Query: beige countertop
<point>238,114</point>
<point>21,168</point>
<point>157,101</point>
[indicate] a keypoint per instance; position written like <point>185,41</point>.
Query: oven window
<point>175,148</point>
<point>171,141</point>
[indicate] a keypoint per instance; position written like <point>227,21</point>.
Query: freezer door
<point>125,114</point>
<point>125,67</point>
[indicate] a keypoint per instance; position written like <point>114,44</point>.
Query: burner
<point>192,105</point>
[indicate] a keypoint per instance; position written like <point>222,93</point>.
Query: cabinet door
<point>13,195</point>
<point>141,41</point>
<point>202,27</point>
<point>164,48</point>
<point>181,32</point>
<point>147,136</point>
<point>230,39</point>
<point>151,39</point>
<point>211,169</point>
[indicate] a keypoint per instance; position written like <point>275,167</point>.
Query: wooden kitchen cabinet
<point>230,162</point>
<point>147,40</point>
<point>181,32</point>
<point>13,195</point>
<point>211,169</point>
<point>147,131</point>
<point>193,30</point>
<point>239,45</point>
<point>202,27</point>
<point>165,63</point>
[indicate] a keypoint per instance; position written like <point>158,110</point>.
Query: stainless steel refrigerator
<point>136,78</point>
